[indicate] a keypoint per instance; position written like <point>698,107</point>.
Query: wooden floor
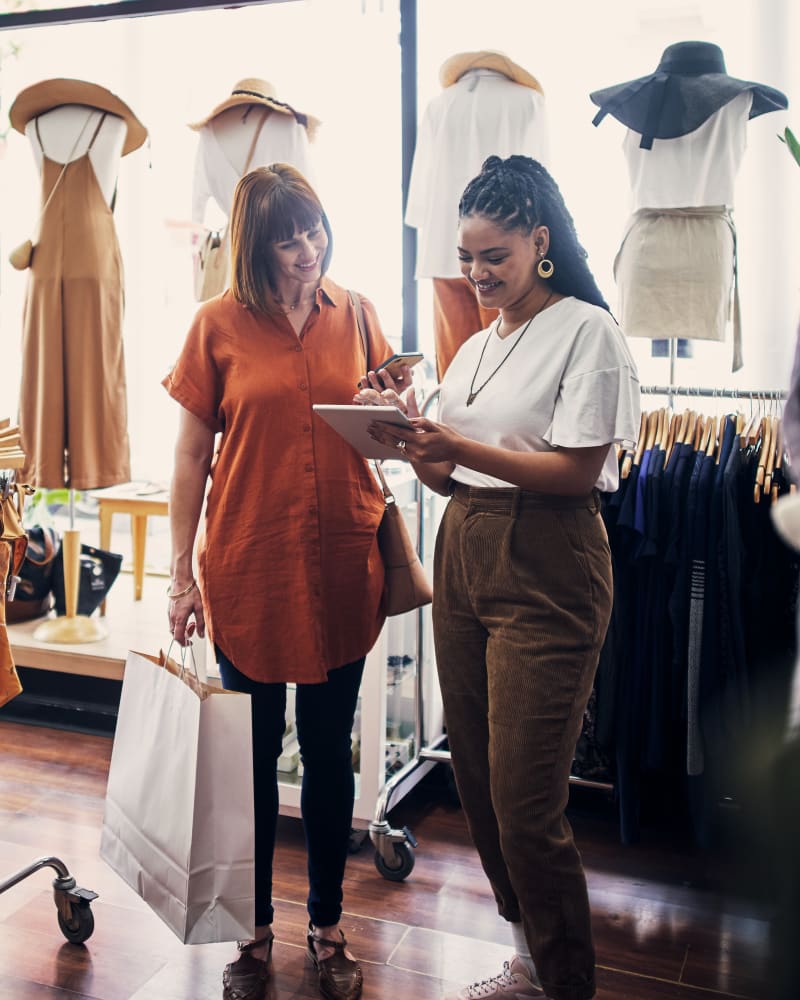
<point>664,928</point>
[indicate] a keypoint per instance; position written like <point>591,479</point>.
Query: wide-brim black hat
<point>688,86</point>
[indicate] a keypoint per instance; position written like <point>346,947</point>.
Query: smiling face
<point>499,263</point>
<point>298,261</point>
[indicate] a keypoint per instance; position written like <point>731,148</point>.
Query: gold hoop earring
<point>545,268</point>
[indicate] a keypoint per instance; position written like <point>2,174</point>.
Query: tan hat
<point>456,66</point>
<point>49,94</point>
<point>254,91</point>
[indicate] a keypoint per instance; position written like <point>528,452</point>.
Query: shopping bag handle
<point>183,658</point>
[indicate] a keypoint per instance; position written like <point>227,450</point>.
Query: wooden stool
<point>128,499</point>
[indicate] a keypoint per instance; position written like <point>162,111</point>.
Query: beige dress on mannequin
<point>73,401</point>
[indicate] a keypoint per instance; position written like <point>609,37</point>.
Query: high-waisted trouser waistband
<point>512,499</point>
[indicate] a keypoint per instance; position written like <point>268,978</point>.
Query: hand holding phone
<point>396,362</point>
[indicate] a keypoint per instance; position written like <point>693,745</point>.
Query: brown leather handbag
<point>406,586</point>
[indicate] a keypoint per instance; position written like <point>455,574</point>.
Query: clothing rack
<point>713,393</point>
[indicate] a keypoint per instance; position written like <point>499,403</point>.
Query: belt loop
<point>516,500</point>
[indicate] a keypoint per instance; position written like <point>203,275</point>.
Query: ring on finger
<point>401,445</point>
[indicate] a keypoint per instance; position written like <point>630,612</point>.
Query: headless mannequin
<point>225,142</point>
<point>65,134</point>
<point>59,129</point>
<point>222,159</point>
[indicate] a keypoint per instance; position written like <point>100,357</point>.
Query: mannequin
<point>488,106</point>
<point>73,404</point>
<point>676,269</point>
<point>60,127</point>
<point>226,136</point>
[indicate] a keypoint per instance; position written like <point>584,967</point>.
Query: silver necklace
<point>286,309</point>
<point>473,392</point>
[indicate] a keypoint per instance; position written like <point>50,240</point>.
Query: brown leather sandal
<point>246,978</point>
<point>340,977</point>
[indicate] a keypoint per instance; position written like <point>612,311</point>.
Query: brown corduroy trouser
<point>522,599</point>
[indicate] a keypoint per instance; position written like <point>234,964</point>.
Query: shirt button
<point>298,348</point>
<point>309,467</point>
<point>302,385</point>
<point>312,510</point>
<point>306,427</point>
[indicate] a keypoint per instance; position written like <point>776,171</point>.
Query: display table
<point>141,502</point>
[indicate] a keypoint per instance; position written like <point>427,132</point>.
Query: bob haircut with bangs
<point>270,204</point>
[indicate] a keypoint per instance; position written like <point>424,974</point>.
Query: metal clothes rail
<point>713,393</point>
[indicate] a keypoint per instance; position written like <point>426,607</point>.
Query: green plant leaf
<point>793,145</point>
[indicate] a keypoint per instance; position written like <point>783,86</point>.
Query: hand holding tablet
<point>351,421</point>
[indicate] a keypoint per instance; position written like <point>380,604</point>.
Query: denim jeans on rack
<point>324,716</point>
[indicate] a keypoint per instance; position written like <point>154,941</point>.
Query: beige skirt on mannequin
<point>73,399</point>
<point>674,273</point>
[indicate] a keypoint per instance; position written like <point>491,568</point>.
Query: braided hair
<point>519,194</point>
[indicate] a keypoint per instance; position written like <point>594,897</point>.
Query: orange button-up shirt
<point>289,567</point>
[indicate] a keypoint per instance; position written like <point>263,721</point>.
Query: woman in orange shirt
<point>289,574</point>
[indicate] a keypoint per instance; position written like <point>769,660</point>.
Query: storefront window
<point>340,61</point>
<point>174,69</point>
<point>579,46</point>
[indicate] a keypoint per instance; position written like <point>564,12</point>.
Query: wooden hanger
<point>673,435</point>
<point>689,430</point>
<point>761,468</point>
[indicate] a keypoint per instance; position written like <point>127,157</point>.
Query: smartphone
<point>394,363</point>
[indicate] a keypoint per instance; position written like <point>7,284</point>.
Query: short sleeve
<point>597,407</point>
<point>195,379</point>
<point>598,400</point>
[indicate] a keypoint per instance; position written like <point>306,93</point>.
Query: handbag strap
<point>68,160</point>
<point>223,240</point>
<point>388,496</point>
<point>256,134</point>
<point>355,298</point>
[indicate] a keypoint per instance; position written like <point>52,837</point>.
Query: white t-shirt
<point>698,168</point>
<point>571,382</point>
<point>482,114</point>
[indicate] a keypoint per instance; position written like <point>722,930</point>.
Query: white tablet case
<point>351,421</point>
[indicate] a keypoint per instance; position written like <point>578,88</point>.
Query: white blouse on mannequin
<point>65,134</point>
<point>698,168</point>
<point>223,147</point>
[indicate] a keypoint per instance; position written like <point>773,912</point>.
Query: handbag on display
<point>12,503</point>
<point>178,822</point>
<point>406,585</point>
<point>97,571</point>
<point>34,593</point>
<point>212,257</point>
<point>211,265</point>
<point>13,543</point>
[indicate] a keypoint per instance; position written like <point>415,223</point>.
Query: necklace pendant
<point>471,398</point>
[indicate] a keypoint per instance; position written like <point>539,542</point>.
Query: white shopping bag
<point>178,821</point>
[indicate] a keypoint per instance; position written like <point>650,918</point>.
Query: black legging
<point>324,716</point>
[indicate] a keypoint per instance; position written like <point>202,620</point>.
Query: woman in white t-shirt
<point>530,409</point>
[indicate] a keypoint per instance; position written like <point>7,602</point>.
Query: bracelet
<point>181,593</point>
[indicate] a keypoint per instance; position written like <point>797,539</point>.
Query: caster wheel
<point>401,866</point>
<point>79,928</point>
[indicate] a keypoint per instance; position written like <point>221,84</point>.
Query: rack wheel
<point>402,866</point>
<point>80,926</point>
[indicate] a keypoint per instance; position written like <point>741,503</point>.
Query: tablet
<point>351,421</point>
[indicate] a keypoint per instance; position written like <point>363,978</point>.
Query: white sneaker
<point>513,983</point>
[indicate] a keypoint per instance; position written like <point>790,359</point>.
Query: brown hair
<point>269,205</point>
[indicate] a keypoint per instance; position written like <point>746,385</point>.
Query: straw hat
<point>456,66</point>
<point>251,90</point>
<point>49,94</point>
<point>689,84</point>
